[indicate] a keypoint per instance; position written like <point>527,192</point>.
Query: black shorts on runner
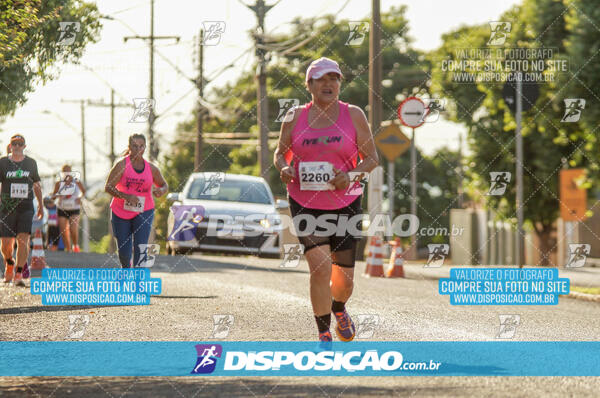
<point>343,247</point>
<point>67,213</point>
<point>16,222</point>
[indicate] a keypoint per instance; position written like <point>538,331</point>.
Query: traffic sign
<point>573,199</point>
<point>530,93</point>
<point>412,112</point>
<point>391,141</point>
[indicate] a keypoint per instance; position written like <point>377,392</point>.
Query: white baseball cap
<point>321,67</point>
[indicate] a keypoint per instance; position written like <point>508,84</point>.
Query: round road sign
<point>412,112</point>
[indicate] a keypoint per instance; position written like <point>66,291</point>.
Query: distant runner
<point>69,192</point>
<point>20,182</point>
<point>53,233</point>
<point>132,182</point>
<point>319,144</point>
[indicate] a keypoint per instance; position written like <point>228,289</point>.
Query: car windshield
<point>229,190</point>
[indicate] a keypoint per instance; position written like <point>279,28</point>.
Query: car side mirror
<point>281,204</point>
<point>173,196</point>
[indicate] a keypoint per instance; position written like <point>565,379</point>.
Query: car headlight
<point>265,223</point>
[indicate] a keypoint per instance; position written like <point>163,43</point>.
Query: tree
<point>547,142</point>
<point>29,43</point>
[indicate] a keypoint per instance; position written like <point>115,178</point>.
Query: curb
<point>584,296</point>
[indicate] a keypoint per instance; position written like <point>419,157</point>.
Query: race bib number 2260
<point>314,176</point>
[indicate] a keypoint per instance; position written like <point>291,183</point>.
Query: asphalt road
<point>268,302</point>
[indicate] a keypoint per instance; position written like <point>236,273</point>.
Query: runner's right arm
<point>113,179</point>
<point>286,172</point>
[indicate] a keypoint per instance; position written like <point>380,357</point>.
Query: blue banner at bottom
<point>292,358</point>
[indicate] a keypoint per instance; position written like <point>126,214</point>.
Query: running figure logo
<point>223,323</point>
<point>573,109</point>
<point>187,219</point>
<point>148,253</point>
<point>68,32</point>
<point>292,252</point>
<point>432,112</point>
<point>77,325</point>
<point>499,33</point>
<point>358,31</point>
<point>286,107</point>
<point>357,183</point>
<point>578,253</point>
<point>142,108</point>
<point>212,32</point>
<point>213,183</point>
<point>437,254</point>
<point>366,325</point>
<point>500,180</point>
<point>207,358</point>
<point>508,326</point>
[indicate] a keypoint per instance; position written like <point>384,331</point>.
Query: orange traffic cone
<point>396,269</point>
<point>375,258</point>
<point>38,259</point>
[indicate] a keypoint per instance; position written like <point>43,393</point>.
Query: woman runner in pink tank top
<point>132,182</point>
<point>318,158</point>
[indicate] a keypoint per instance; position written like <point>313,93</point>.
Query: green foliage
<point>29,49</point>
<point>437,186</point>
<point>491,125</point>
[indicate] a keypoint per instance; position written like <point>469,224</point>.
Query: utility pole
<point>262,108</point>
<point>520,243</point>
<point>84,219</point>
<point>460,172</point>
<point>112,155</point>
<point>200,115</point>
<point>152,142</point>
<point>375,107</point>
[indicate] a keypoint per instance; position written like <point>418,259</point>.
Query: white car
<point>240,215</point>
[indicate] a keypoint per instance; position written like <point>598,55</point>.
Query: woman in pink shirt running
<point>132,182</point>
<point>318,156</point>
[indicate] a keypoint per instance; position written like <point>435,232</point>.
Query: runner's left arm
<point>37,190</point>
<point>161,186</point>
<point>366,149</point>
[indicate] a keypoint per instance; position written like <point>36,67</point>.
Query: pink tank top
<point>134,183</point>
<point>335,144</point>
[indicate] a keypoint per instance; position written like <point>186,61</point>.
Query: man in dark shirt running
<point>20,181</point>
